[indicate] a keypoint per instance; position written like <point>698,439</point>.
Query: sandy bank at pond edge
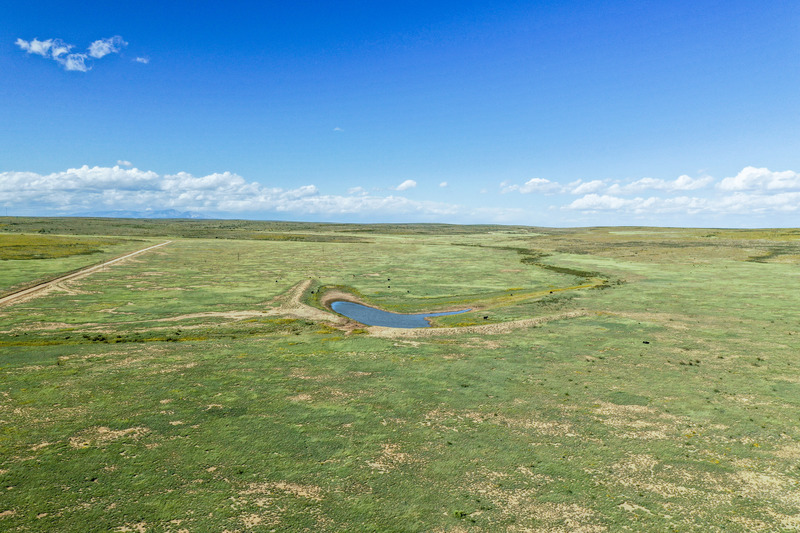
<point>487,329</point>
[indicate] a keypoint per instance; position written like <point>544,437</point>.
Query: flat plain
<point>608,379</point>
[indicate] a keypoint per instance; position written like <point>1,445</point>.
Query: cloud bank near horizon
<point>753,191</point>
<point>89,189</point>
<point>86,190</point>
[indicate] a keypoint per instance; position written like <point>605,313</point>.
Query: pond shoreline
<point>328,298</point>
<point>372,316</point>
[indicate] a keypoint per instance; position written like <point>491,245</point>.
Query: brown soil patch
<point>487,329</point>
<point>103,435</point>
<point>290,304</point>
<point>523,504</point>
<point>637,421</point>
<point>758,485</point>
<point>233,315</point>
<point>300,398</point>
<point>310,492</point>
<point>140,527</point>
<point>333,295</point>
<point>391,457</point>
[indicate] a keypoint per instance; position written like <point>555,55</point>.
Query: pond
<point>377,317</point>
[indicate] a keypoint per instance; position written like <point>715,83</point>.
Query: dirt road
<point>41,287</point>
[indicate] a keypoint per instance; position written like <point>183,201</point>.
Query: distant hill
<point>164,213</point>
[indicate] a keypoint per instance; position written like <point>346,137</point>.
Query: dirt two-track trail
<point>32,292</point>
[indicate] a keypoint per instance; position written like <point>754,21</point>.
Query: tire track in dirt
<point>41,288</point>
<point>291,304</point>
<point>288,304</point>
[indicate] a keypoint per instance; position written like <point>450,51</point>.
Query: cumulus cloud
<point>586,187</point>
<point>408,184</point>
<point>752,178</point>
<point>642,206</point>
<point>617,188</point>
<point>87,189</point>
<point>596,202</point>
<point>682,183</point>
<point>532,185</point>
<point>443,184</point>
<point>60,52</point>
<point>737,204</point>
<point>142,60</point>
<point>76,62</point>
<point>753,191</point>
<point>38,47</point>
<point>103,47</point>
<point>84,190</point>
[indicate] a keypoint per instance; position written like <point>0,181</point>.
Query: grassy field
<point>634,379</point>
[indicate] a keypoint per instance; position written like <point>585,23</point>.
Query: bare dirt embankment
<point>291,304</point>
<point>485,329</point>
<point>336,296</point>
<point>47,286</point>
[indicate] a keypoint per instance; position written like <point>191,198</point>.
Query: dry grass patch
<point>309,492</point>
<point>300,398</point>
<point>102,435</point>
<point>140,527</point>
<point>390,458</point>
<point>524,503</point>
<point>637,421</point>
<point>766,486</point>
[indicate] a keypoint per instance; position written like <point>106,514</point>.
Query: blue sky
<point>542,113</point>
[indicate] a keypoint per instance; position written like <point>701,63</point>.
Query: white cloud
<point>532,185</point>
<point>739,203</point>
<point>758,204</point>
<point>408,184</point>
<point>103,47</point>
<point>443,184</point>
<point>595,202</point>
<point>687,183</point>
<point>337,128</point>
<point>38,47</point>
<point>59,51</point>
<point>581,187</point>
<point>123,187</point>
<point>76,62</point>
<point>682,183</point>
<point>752,178</point>
<point>142,60</point>
<point>641,206</point>
<point>87,189</point>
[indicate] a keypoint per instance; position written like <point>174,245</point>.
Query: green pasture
<point>31,257</point>
<point>134,400</point>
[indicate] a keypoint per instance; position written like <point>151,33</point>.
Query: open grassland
<point>26,258</point>
<point>625,378</point>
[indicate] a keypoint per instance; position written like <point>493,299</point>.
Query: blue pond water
<point>376,317</point>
